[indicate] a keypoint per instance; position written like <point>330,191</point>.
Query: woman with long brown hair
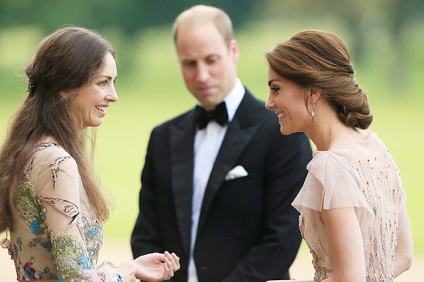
<point>51,202</point>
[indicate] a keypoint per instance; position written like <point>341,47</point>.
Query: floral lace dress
<point>56,236</point>
<point>362,175</point>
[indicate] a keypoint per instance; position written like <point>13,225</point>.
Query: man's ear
<point>234,50</point>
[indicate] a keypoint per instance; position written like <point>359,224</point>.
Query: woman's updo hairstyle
<point>320,60</point>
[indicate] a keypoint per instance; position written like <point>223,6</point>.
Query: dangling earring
<point>314,113</point>
<point>67,103</point>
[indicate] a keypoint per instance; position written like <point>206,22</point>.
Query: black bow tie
<point>220,115</point>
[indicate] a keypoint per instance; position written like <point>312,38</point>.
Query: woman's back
<point>362,175</point>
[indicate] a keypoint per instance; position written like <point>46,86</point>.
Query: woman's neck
<point>328,133</point>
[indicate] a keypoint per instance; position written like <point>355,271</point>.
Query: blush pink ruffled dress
<point>362,175</point>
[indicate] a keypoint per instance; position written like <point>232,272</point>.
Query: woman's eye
<point>102,83</point>
<point>274,89</point>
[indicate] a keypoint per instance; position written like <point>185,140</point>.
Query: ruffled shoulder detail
<point>332,182</point>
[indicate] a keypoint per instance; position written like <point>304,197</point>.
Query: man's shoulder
<point>252,99</point>
<point>176,120</point>
<point>256,108</point>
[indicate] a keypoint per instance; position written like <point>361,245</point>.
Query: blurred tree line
<point>129,16</point>
<point>133,16</point>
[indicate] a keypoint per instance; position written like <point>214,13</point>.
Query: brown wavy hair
<point>66,60</point>
<point>320,60</point>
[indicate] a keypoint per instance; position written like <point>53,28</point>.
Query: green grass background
<point>151,90</point>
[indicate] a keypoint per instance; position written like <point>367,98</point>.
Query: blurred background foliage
<point>385,37</point>
<point>130,17</point>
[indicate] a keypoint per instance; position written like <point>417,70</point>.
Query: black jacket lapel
<point>239,133</point>
<point>182,144</point>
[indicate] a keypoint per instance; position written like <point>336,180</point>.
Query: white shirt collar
<point>233,99</point>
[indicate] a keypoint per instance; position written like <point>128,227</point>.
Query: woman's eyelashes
<point>274,88</point>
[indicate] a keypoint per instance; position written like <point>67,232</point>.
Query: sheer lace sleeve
<point>75,234</point>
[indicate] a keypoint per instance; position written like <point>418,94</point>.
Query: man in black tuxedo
<point>217,188</point>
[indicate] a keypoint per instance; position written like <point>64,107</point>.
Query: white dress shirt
<point>206,146</point>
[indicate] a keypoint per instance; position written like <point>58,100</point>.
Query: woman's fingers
<point>177,261</point>
<point>174,259</point>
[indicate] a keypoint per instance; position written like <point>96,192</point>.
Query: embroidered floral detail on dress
<point>93,234</point>
<point>47,245</point>
<point>30,209</point>
<point>55,167</point>
<point>63,206</point>
<point>43,146</point>
<point>119,278</point>
<point>41,253</point>
<point>102,276</point>
<point>30,271</point>
<point>26,271</point>
<point>71,260</point>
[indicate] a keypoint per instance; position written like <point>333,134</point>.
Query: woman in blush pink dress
<point>352,204</point>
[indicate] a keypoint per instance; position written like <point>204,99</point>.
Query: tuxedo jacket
<point>248,230</point>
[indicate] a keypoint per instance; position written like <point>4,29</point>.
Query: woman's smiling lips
<point>101,109</point>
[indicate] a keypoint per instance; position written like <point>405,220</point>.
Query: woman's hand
<point>156,267</point>
<point>127,272</point>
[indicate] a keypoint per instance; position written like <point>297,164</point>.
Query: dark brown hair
<point>320,60</point>
<point>65,61</point>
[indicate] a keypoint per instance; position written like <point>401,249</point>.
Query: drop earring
<point>314,113</point>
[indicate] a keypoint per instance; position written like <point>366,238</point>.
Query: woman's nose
<point>269,104</point>
<point>112,96</point>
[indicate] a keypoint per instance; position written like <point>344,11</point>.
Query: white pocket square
<point>236,172</point>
